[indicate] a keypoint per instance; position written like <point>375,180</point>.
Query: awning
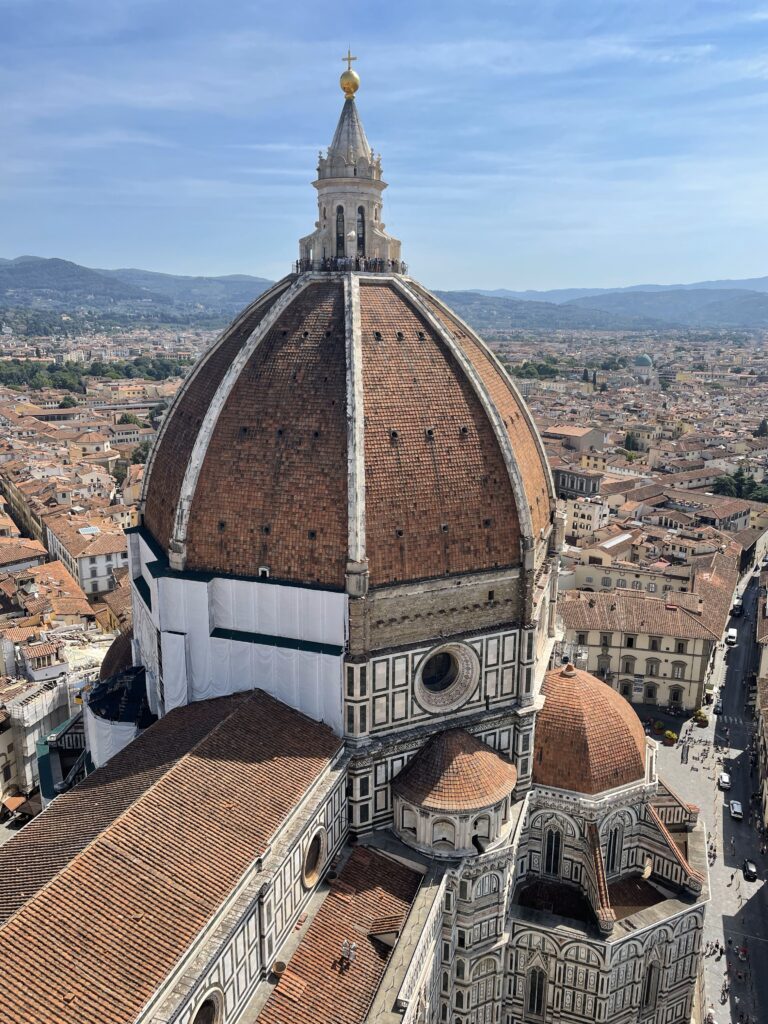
<point>13,803</point>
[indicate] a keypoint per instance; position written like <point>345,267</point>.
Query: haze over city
<point>527,145</point>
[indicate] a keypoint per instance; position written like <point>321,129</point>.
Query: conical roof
<point>349,138</point>
<point>455,771</point>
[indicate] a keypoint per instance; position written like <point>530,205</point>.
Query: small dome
<point>455,771</point>
<point>643,360</point>
<point>588,738</point>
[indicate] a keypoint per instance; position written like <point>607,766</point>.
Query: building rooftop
<point>197,797</point>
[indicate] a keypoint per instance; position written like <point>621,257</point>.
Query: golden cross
<point>349,58</point>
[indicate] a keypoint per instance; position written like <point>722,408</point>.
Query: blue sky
<point>537,144</point>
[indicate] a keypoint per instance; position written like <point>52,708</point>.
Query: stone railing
<point>364,264</point>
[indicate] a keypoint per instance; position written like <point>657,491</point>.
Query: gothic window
<point>613,860</point>
<point>486,884</point>
<point>552,852</point>
<point>444,834</point>
<point>650,985</point>
<point>535,1000</point>
<point>360,231</point>
<point>340,231</point>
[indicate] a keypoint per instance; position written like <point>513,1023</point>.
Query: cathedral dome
<point>347,418</point>
<point>588,738</point>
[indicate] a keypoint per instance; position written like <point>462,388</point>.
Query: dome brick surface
<point>588,738</point>
<point>343,395</point>
<point>455,771</point>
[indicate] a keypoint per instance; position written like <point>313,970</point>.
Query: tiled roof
<point>103,892</point>
<point>438,495</point>
<point>455,771</point>
<point>320,989</point>
<point>629,613</point>
<point>588,738</point>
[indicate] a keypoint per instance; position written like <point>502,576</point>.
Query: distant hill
<point>753,284</point>
<point>690,307</point>
<point>485,313</point>
<point>227,294</point>
<point>31,281</point>
<point>130,295</point>
<point>55,284</point>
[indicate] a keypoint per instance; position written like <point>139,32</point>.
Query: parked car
<point>735,809</point>
<point>731,637</point>
<point>718,707</point>
<point>738,607</point>
<point>750,870</point>
<point>724,780</point>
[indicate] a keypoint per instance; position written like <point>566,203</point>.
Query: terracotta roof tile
<point>588,738</point>
<point>140,855</point>
<point>455,771</point>
<point>335,993</point>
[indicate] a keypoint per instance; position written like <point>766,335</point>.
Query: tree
<point>585,376</point>
<point>631,443</point>
<point>140,453</point>
<point>67,402</point>
<point>762,430</point>
<point>128,417</point>
<point>594,378</point>
<point>604,387</point>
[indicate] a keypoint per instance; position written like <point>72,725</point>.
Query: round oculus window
<point>446,677</point>
<point>314,858</point>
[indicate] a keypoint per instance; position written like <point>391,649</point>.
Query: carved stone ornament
<point>466,675</point>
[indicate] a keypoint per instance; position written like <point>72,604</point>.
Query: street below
<point>737,916</point>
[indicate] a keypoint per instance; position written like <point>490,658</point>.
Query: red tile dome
<point>588,738</point>
<point>455,771</point>
<point>341,418</point>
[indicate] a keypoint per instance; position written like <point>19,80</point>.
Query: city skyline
<point>524,147</point>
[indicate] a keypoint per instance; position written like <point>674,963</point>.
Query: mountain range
<point>60,285</point>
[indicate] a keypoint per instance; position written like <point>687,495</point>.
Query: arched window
<point>552,847</point>
<point>650,985</point>
<point>360,231</point>
<point>340,251</point>
<point>613,860</point>
<point>482,826</point>
<point>652,667</point>
<point>461,969</point>
<point>535,994</point>
<point>206,1014</point>
<point>444,834</point>
<point>485,885</point>
<point>409,821</point>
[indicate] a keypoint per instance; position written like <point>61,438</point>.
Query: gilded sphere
<point>350,83</point>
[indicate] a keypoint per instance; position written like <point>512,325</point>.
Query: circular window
<point>446,677</point>
<point>314,858</point>
<point>439,672</point>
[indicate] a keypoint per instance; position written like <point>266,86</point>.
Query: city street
<point>737,916</point>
